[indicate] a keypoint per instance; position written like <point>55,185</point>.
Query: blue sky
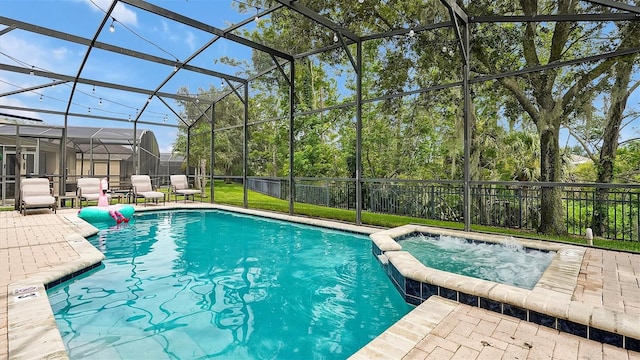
<point>135,29</point>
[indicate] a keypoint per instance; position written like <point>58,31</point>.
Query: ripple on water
<point>508,263</point>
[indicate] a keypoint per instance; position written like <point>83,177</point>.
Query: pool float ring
<point>118,213</point>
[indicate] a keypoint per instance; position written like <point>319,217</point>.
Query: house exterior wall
<point>102,168</point>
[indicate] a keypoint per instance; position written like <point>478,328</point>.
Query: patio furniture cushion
<point>35,193</point>
<point>180,186</point>
<point>89,189</point>
<point>142,188</point>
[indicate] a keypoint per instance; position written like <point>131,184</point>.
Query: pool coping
<point>29,311</point>
<point>549,303</point>
<point>33,333</point>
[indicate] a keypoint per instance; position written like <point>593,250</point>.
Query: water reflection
<point>228,289</point>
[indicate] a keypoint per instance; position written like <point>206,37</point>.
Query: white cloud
<point>176,35</point>
<point>166,139</point>
<point>29,52</point>
<point>9,101</point>
<point>60,53</point>
<point>124,15</point>
<point>121,13</point>
<point>166,150</point>
<point>190,39</point>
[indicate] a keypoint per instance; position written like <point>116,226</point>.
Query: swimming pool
<point>196,284</point>
<point>507,263</point>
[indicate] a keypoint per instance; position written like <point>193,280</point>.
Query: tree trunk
<point>551,211</point>
<point>200,179</point>
<point>604,167</point>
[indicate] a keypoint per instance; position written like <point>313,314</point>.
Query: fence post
<point>431,196</point>
<point>520,207</point>
<point>326,186</point>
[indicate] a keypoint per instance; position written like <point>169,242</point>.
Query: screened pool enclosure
<point>35,151</point>
<point>440,109</point>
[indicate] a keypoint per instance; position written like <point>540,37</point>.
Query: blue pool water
<point>507,263</point>
<point>212,284</point>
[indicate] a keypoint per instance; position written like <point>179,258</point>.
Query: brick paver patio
<point>42,247</point>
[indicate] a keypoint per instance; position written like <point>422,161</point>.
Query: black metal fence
<point>498,204</point>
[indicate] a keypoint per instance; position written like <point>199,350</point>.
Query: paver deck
<point>42,247</point>
<point>442,329</point>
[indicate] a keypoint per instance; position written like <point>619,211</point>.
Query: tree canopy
<point>524,121</point>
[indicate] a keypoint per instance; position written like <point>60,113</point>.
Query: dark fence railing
<point>499,204</point>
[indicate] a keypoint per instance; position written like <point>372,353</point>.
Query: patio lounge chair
<point>36,194</point>
<point>142,188</point>
<point>180,187</point>
<point>89,189</point>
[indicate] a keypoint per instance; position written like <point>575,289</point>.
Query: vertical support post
<point>213,147</point>
<point>18,169</point>
<point>91,165</point>
<point>136,169</point>
<point>359,133</point>
<point>188,151</point>
<point>245,148</point>
<point>63,160</point>
<point>292,93</point>
<point>467,130</point>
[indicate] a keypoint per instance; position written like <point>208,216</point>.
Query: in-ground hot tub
<point>508,262</point>
<point>417,281</point>
<point>548,303</point>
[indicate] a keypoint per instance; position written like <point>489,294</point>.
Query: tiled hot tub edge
<point>548,304</point>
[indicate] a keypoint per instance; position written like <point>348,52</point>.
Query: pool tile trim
<point>549,303</point>
<point>48,342</point>
<point>29,310</point>
<point>418,323</point>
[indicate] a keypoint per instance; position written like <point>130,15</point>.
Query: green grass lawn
<point>231,194</point>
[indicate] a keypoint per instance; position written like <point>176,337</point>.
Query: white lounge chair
<point>89,189</point>
<point>142,188</point>
<point>180,187</point>
<point>36,194</point>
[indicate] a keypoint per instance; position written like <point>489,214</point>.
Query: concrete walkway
<point>42,247</point>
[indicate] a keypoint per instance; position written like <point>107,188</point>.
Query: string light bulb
<point>361,1</point>
<point>100,102</point>
<point>335,37</point>
<point>32,72</point>
<point>112,27</point>
<point>94,89</point>
<point>40,97</point>
<point>257,18</point>
<point>412,33</point>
